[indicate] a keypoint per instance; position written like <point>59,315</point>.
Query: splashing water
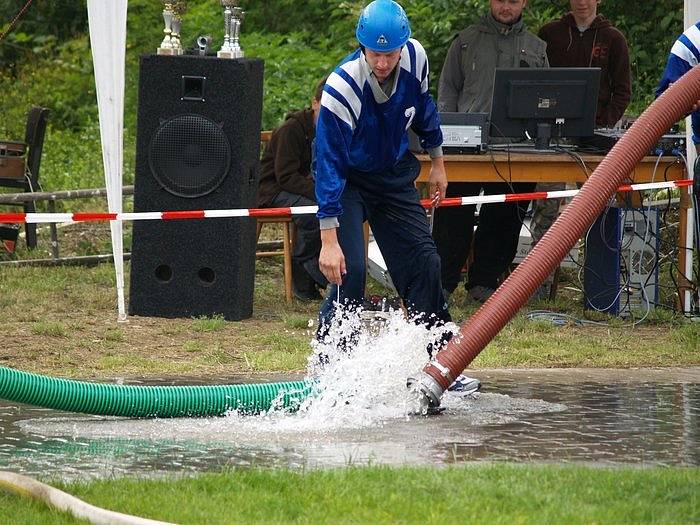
<point>365,381</point>
<point>359,370</point>
<point>359,373</point>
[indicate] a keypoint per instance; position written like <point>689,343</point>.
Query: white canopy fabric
<point>107,19</point>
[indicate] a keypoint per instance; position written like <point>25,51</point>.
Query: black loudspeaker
<point>197,148</point>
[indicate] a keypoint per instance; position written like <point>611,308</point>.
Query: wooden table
<point>563,167</point>
<point>532,167</point>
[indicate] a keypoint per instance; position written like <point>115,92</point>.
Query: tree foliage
<point>299,41</point>
<point>46,60</point>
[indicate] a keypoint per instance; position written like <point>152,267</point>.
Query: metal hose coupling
<point>429,393</point>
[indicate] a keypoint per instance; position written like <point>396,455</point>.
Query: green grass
<point>298,321</point>
<point>193,346</point>
<point>133,364</point>
<point>50,329</point>
<point>208,324</point>
<point>114,335</point>
<point>479,494</point>
<point>62,321</point>
<point>217,355</point>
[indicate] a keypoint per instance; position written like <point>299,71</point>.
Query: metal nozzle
<point>429,392</point>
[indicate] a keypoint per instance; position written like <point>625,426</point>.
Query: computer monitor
<point>544,103</point>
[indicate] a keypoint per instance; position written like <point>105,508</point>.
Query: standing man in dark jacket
<point>286,180</point>
<point>499,39</point>
<point>583,38</point>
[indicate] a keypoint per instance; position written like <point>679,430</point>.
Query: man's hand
<point>437,180</point>
<point>331,260</point>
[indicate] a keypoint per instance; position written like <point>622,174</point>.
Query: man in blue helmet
<point>364,170</point>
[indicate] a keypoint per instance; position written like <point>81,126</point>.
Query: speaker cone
<point>189,155</point>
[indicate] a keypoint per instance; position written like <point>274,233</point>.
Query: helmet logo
<point>382,41</point>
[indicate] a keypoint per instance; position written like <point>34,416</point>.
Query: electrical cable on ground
<point>559,319</point>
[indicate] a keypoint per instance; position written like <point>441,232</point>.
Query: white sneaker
<point>465,385</point>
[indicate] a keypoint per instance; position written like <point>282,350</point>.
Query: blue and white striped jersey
<point>685,54</point>
<point>360,129</point>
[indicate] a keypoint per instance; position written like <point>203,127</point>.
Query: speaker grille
<point>189,155</point>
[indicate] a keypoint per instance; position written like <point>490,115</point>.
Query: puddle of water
<point>360,417</point>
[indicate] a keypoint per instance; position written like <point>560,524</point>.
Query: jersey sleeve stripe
<point>693,35</point>
<point>412,58</point>
<point>353,74</point>
<point>338,108</point>
<point>343,86</point>
<point>686,50</point>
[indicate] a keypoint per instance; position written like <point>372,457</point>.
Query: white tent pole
<point>691,14</point>
<point>107,21</point>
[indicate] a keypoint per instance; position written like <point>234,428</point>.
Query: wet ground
<point>638,417</point>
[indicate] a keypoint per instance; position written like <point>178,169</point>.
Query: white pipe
<point>26,486</point>
<point>690,249</point>
<point>691,14</point>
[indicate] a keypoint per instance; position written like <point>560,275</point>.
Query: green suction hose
<point>148,401</point>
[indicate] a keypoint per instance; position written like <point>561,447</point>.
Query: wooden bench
<point>24,173</point>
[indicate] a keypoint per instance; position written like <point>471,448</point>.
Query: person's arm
<point>331,260</point>
<point>451,78</point>
<point>426,124</point>
<point>291,147</point>
<point>334,131</point>
<point>544,34</point>
<point>437,179</point>
<point>676,67</point>
<point>620,82</point>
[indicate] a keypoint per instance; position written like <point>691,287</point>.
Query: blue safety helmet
<point>383,26</point>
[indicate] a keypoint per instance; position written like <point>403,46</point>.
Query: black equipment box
<point>603,140</point>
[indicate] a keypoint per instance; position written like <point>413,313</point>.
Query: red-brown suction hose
<point>483,326</point>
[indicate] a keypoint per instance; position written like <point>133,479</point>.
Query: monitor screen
<point>542,104</point>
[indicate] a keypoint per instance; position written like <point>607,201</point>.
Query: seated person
<point>286,180</point>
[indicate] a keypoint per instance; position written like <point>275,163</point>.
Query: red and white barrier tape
<point>36,218</point>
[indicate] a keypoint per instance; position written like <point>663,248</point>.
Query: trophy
<point>179,8</point>
<point>166,46</point>
<point>172,16</point>
<point>233,16</point>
